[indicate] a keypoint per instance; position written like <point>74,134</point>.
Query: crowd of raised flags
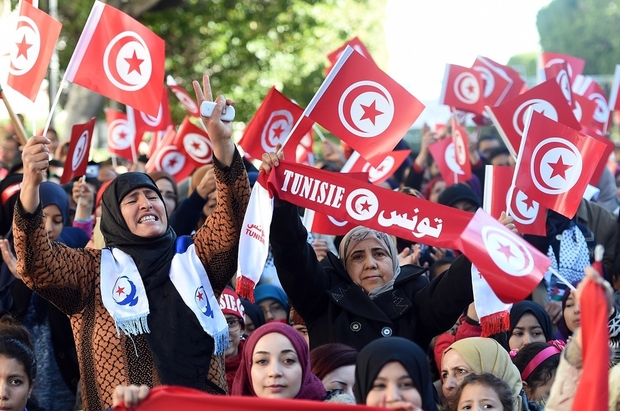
<point>553,130</point>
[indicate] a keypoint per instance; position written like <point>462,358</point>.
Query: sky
<point>424,35</point>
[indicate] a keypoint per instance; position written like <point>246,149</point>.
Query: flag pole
<point>19,127</point>
<point>318,132</point>
<point>53,108</point>
<point>562,279</point>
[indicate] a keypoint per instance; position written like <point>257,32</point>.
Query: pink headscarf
<point>311,387</point>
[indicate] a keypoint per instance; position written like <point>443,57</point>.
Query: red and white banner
<point>272,123</point>
<point>546,98</point>
<point>195,142</point>
<point>364,107</point>
<point>170,158</point>
<point>143,123</point>
<point>555,163</point>
<point>121,135</point>
<point>512,267</point>
<point>574,65</point>
<point>463,89</point>
<point>587,87</point>
<point>356,44</point>
<point>501,195</point>
<point>188,102</point>
<point>119,58</point>
<point>34,41</point>
<point>79,148</point>
<point>559,72</point>
<point>386,169</point>
<point>497,83</point>
<point>444,153</point>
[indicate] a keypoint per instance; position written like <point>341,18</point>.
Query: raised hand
<point>36,162</point>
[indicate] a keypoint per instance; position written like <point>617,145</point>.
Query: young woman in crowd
<point>334,365</point>
<point>276,364</point>
<point>233,310</point>
<point>133,320</point>
<point>393,373</point>
<point>537,362</point>
<point>529,322</point>
<point>482,392</point>
<point>273,302</point>
<point>254,317</point>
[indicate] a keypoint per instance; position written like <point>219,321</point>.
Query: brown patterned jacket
<point>69,278</point>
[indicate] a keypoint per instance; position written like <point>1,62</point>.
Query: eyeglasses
<point>234,324</point>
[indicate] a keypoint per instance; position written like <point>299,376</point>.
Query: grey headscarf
<point>362,233</point>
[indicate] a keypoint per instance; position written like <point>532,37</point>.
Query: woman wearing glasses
<point>233,310</point>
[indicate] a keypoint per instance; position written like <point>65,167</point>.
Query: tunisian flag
<point>119,58</point>
<point>559,72</point>
<point>497,83</point>
<point>546,98</point>
<point>121,135</point>
<point>188,102</point>
<point>364,107</point>
<point>444,153</point>
<point>356,44</point>
<point>195,142</point>
<point>79,147</point>
<point>463,89</point>
<point>320,223</point>
<point>386,168</point>
<point>587,87</point>
<point>272,123</point>
<point>556,163</point>
<point>172,159</point>
<point>143,123</point>
<point>501,195</point>
<point>34,40</point>
<point>512,267</point>
<point>574,65</point>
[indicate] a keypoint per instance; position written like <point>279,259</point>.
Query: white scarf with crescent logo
<point>124,295</point>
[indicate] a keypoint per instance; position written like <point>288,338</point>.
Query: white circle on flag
<point>564,82</point>
<point>519,208</point>
<point>80,150</point>
<point>186,100</point>
<point>450,159</point>
<point>170,160</point>
<point>467,88</point>
<point>120,135</point>
<point>558,60</point>
<point>362,204</point>
<point>153,121</point>
<point>127,61</point>
<point>537,104</point>
<point>601,114</point>
<point>198,147</point>
<point>508,253</point>
<point>376,174</point>
<point>366,109</point>
<point>337,223</point>
<point>556,165</point>
<point>276,129</point>
<point>488,78</point>
<point>460,151</point>
<point>26,47</point>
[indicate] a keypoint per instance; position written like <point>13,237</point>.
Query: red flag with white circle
<point>559,72</point>
<point>463,89</point>
<point>194,141</point>
<point>144,123</point>
<point>79,148</point>
<point>385,170</point>
<point>444,153</point>
<point>497,83</point>
<point>170,159</point>
<point>188,102</point>
<point>586,86</point>
<point>364,107</point>
<point>121,135</point>
<point>119,58</point>
<point>555,163</point>
<point>512,267</point>
<point>574,65</point>
<point>34,40</point>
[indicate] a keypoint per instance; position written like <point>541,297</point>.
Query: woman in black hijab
<point>394,370</point>
<point>529,322</point>
<point>143,310</point>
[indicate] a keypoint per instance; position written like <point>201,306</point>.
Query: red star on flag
<point>471,88</point>
<point>22,48</point>
<point>559,168</point>
<point>529,203</point>
<point>134,63</point>
<point>366,206</point>
<point>121,290</point>
<point>172,162</point>
<point>277,132</point>
<point>505,249</point>
<point>122,135</point>
<point>196,145</point>
<point>370,112</point>
<point>199,295</point>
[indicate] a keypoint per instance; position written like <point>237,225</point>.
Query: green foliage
<point>585,29</point>
<point>525,64</point>
<point>247,46</point>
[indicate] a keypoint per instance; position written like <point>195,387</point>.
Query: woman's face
<point>369,264</point>
<point>454,369</point>
<point>14,385</point>
<point>341,378</point>
<point>393,384</point>
<point>144,213</point>
<point>53,221</point>
<point>276,371</point>
<point>479,397</point>
<point>273,310</point>
<point>249,325</point>
<point>436,191</point>
<point>572,314</point>
<point>235,331</point>
<point>527,330</point>
<point>167,192</point>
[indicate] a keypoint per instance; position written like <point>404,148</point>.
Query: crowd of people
<point>124,281</point>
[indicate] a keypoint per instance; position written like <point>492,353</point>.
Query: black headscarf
<point>537,311</point>
<point>378,353</point>
<point>180,349</point>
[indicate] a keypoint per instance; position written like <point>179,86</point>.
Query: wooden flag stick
<point>19,127</point>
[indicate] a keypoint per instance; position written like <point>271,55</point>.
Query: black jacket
<point>337,310</point>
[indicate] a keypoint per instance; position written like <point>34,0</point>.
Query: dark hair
<point>498,385</point>
<point>544,371</point>
<point>498,151</point>
<point>328,357</point>
<point>15,344</point>
<point>486,137</point>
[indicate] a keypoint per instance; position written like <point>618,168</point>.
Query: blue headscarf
<point>52,193</point>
